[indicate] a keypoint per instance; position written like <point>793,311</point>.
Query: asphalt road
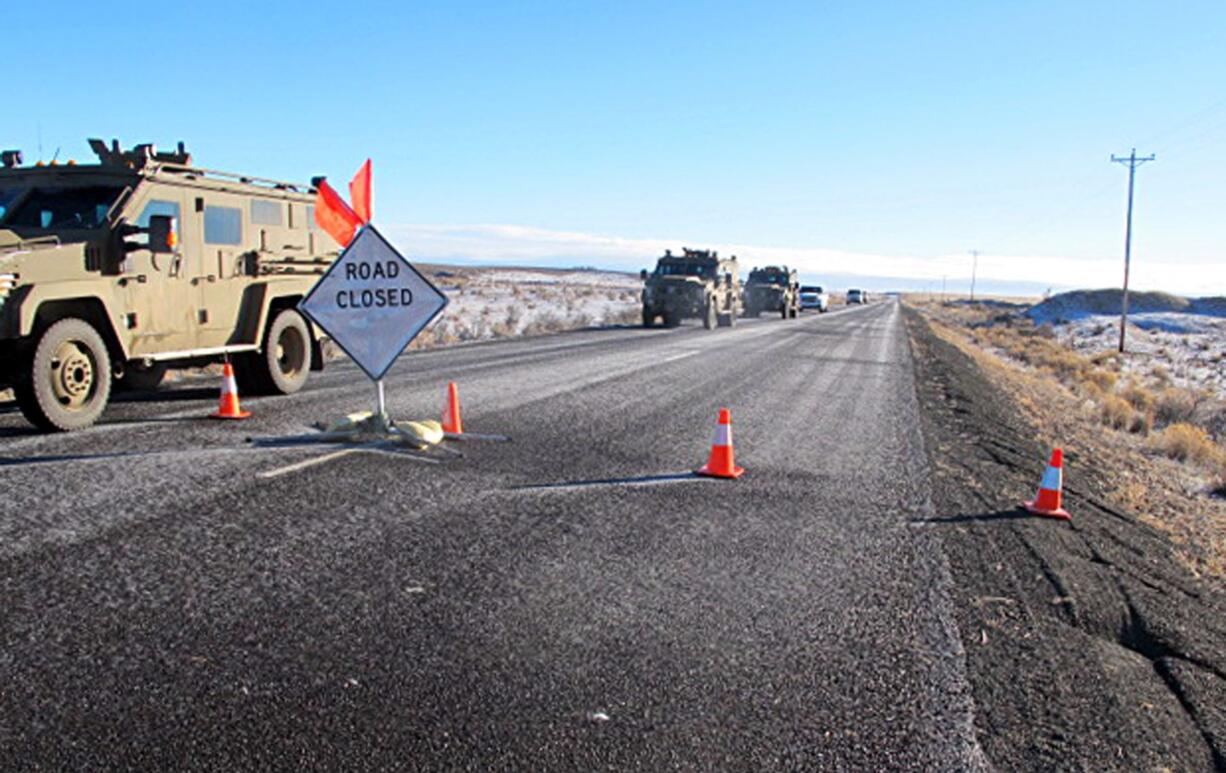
<point>176,598</point>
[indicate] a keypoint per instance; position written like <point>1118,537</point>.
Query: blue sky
<point>866,139</point>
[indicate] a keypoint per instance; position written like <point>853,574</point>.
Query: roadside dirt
<point>1088,645</point>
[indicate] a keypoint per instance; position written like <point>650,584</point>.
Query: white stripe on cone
<point>723,435</point>
<point>1051,479</point>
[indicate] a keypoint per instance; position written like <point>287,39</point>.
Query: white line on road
<point>305,463</point>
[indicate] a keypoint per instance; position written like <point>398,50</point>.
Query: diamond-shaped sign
<point>372,302</point>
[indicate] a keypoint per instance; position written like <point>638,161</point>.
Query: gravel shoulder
<point>1088,645</point>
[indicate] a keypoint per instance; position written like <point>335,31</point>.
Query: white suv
<point>814,297</point>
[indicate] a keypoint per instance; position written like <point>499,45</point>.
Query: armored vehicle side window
<point>223,225</point>
<point>67,208</point>
<point>8,196</point>
<point>158,207</point>
<point>265,212</point>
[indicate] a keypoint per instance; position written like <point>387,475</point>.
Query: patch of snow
<point>1187,349</point>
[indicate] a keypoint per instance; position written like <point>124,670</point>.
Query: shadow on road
<point>165,395</point>
<point>638,480</point>
<point>1016,514</point>
<point>22,461</point>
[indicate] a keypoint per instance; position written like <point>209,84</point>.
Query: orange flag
<point>360,194</point>
<point>334,215</point>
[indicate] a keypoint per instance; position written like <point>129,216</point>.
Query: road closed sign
<point>372,302</point>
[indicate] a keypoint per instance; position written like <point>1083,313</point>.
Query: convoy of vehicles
<point>814,297</point>
<point>774,288</point>
<point>697,283</point>
<point>112,272</point>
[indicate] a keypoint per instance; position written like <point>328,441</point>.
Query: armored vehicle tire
<point>649,319</point>
<point>69,379</point>
<point>710,316</point>
<point>284,363</point>
<point>142,379</point>
<point>672,320</point>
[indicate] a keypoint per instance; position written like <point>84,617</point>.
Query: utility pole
<point>974,268</point>
<point>1133,162</point>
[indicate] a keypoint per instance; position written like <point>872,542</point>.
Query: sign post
<point>372,303</point>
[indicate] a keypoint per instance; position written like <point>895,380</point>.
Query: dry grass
<point>1174,479</point>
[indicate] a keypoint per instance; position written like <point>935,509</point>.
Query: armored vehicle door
<point>219,250</point>
<point>159,301</point>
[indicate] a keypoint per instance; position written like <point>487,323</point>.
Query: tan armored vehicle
<point>697,283</point>
<point>112,272</point>
<point>774,288</point>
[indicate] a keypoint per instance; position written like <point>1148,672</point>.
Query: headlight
<point>7,283</point>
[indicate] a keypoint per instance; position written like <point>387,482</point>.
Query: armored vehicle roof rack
<point>139,156</point>
<point>146,156</point>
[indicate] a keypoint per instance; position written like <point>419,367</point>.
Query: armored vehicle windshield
<point>685,268</point>
<point>768,277</point>
<point>56,208</point>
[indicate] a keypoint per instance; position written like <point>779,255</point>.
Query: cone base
<point>706,471</point>
<point>239,415</point>
<point>1059,512</point>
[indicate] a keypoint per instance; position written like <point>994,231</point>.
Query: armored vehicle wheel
<point>69,379</point>
<point>284,363</point>
<point>710,317</point>
<point>672,320</point>
<point>142,379</point>
<point>649,319</point>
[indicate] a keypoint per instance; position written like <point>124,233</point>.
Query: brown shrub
<point>1174,406</point>
<point>1116,412</point>
<point>1186,442</point>
<point>1138,396</point>
<point>1103,380</point>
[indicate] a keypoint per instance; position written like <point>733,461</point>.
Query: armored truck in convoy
<point>697,283</point>
<point>112,272</point>
<point>774,288</point>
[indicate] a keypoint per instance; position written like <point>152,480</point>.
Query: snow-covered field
<point>490,303</point>
<point>1189,349</point>
<point>1169,339</point>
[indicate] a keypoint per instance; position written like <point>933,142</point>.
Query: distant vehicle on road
<point>697,283</point>
<point>113,272</point>
<point>857,296</point>
<point>814,297</point>
<point>774,288</point>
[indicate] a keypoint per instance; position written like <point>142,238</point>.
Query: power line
<point>1133,162</point>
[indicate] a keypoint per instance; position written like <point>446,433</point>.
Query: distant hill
<point>1067,307</point>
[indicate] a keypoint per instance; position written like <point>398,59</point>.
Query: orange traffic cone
<point>721,464</point>
<point>452,424</point>
<point>228,409</point>
<point>1047,501</point>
